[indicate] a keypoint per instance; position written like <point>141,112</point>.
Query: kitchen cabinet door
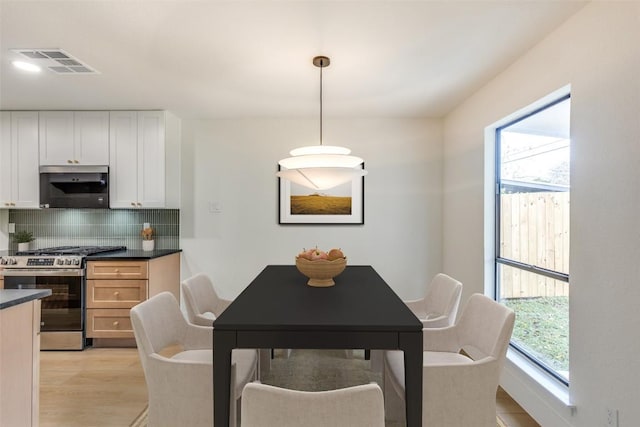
<point>5,159</point>
<point>56,137</point>
<point>151,159</point>
<point>19,160</point>
<point>91,137</point>
<point>74,138</point>
<point>123,169</point>
<point>137,154</point>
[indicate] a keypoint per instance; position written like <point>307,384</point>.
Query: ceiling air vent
<point>56,60</point>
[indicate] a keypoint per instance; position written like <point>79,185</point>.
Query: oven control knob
<point>76,261</point>
<point>60,261</point>
<point>67,261</point>
<point>12,261</point>
<point>3,261</point>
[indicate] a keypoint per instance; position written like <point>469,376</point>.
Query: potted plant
<point>147,239</point>
<point>23,238</point>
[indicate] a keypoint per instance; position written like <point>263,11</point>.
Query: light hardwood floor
<point>94,387</point>
<point>106,388</point>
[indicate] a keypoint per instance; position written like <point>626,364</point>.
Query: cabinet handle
<point>69,161</point>
<point>115,324</point>
<point>75,161</point>
<point>133,203</point>
<point>116,270</point>
<point>116,293</point>
<point>139,204</point>
<point>13,204</point>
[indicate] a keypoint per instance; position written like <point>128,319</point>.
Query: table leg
<point>411,344</point>
<point>223,343</point>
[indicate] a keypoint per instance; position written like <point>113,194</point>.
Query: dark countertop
<point>132,254</point>
<point>11,297</point>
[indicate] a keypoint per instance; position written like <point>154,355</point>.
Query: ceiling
<point>228,59</point>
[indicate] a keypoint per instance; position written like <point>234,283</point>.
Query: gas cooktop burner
<point>71,250</point>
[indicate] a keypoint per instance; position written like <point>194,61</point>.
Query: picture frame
<point>294,199</point>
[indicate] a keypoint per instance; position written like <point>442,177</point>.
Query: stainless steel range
<point>61,269</point>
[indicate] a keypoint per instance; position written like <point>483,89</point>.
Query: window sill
<point>545,398</point>
<point>555,388</point>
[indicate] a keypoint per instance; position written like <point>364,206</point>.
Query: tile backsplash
<point>99,227</point>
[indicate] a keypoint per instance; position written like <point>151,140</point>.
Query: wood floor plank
<point>94,387</point>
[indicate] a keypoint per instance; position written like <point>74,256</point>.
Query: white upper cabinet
<point>137,154</point>
<point>74,137</point>
<point>19,160</point>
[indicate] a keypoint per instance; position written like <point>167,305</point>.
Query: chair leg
<point>264,362</point>
<point>238,414</point>
<point>233,401</point>
<point>287,353</point>
<point>394,406</point>
<point>233,413</point>
<point>376,360</point>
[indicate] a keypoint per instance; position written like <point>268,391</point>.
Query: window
<point>532,233</point>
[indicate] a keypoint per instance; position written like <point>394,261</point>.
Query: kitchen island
<point>20,356</point>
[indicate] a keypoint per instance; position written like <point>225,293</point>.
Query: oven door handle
<point>49,273</point>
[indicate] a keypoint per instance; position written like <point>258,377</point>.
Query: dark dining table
<point>279,310</point>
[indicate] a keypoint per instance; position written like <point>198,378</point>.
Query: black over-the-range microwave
<point>74,186</point>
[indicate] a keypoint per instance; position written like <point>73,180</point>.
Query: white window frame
<point>519,370</point>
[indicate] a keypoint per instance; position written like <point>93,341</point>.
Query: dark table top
<point>279,299</point>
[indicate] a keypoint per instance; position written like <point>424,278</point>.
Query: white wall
<point>233,162</point>
<point>597,52</point>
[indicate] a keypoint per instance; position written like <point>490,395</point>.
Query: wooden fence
<point>534,230</point>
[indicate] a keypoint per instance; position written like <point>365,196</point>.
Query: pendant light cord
<point>321,66</point>
<point>321,62</point>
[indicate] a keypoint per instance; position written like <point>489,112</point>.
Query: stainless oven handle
<point>34,273</point>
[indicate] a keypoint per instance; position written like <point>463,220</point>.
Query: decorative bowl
<point>321,271</point>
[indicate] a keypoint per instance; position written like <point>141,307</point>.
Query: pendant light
<point>321,167</point>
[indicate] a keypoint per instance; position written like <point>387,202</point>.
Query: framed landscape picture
<point>343,204</point>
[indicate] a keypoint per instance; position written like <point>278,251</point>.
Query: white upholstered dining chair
<point>180,386</point>
<point>201,300</point>
<point>437,309</point>
<point>204,305</point>
<point>269,406</point>
<point>461,367</point>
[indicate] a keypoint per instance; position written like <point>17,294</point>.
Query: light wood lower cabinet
<point>109,323</point>
<point>113,293</point>
<point>114,287</point>
<point>20,364</point>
